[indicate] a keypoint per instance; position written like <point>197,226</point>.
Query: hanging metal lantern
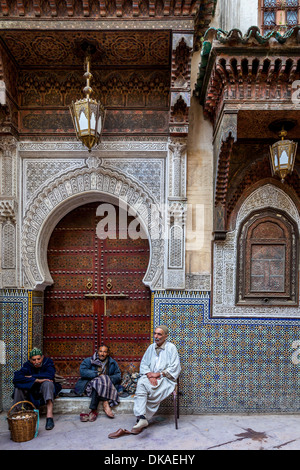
<point>282,156</point>
<point>88,114</point>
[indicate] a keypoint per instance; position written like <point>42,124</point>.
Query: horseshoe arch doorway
<point>76,321</point>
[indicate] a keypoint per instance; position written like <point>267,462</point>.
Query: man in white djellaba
<point>159,370</point>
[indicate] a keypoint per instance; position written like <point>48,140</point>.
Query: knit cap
<point>35,352</point>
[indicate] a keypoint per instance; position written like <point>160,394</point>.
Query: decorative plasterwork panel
<point>177,168</point>
<point>225,258</point>
<point>55,198</point>
<point>40,172</point>
<point>148,171</point>
<point>8,210</point>
<point>176,215</point>
<point>8,216</point>
<point>9,189</point>
<point>138,160</point>
<point>108,145</point>
<point>8,167</point>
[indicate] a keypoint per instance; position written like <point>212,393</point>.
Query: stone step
<point>77,405</point>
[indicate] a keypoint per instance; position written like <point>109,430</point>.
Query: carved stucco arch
<point>266,196</point>
<point>72,190</point>
<point>225,257</point>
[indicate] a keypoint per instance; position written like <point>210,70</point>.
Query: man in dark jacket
<point>35,382</point>
<point>100,376</point>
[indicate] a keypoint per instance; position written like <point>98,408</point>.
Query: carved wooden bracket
<point>180,83</point>
<point>252,78</point>
<point>220,217</point>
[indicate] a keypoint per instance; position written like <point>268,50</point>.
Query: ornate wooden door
<point>76,321</point>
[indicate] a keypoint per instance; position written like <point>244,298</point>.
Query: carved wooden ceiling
<point>255,125</point>
<point>62,49</point>
<point>21,20</point>
<point>99,8</point>
<point>141,64</point>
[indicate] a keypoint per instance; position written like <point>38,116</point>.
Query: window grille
<point>279,15</point>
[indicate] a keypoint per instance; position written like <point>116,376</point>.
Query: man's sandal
<point>120,432</point>
<point>84,417</point>
<point>93,416</point>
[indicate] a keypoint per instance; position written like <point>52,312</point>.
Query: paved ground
<point>196,432</point>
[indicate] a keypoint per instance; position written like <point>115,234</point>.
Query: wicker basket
<point>22,424</point>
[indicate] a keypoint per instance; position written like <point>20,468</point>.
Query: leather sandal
<point>120,432</point>
<point>93,415</point>
<point>136,431</point>
<point>107,410</point>
<point>84,417</point>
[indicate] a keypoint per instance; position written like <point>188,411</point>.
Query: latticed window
<point>267,271</point>
<point>279,15</point>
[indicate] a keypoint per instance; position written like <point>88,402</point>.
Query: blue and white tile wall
<point>230,365</point>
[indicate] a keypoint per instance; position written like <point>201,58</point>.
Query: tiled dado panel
<point>230,365</point>
<point>16,322</point>
<point>21,320</point>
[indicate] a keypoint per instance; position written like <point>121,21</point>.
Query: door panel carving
<point>83,266</point>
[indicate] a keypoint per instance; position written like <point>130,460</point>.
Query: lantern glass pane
<point>284,158</point>
<point>276,165</point>
<point>93,122</point>
<point>99,125</point>
<point>83,122</point>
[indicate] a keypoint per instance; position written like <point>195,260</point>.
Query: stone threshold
<point>77,405</point>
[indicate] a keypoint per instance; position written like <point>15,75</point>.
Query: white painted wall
<point>240,14</point>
